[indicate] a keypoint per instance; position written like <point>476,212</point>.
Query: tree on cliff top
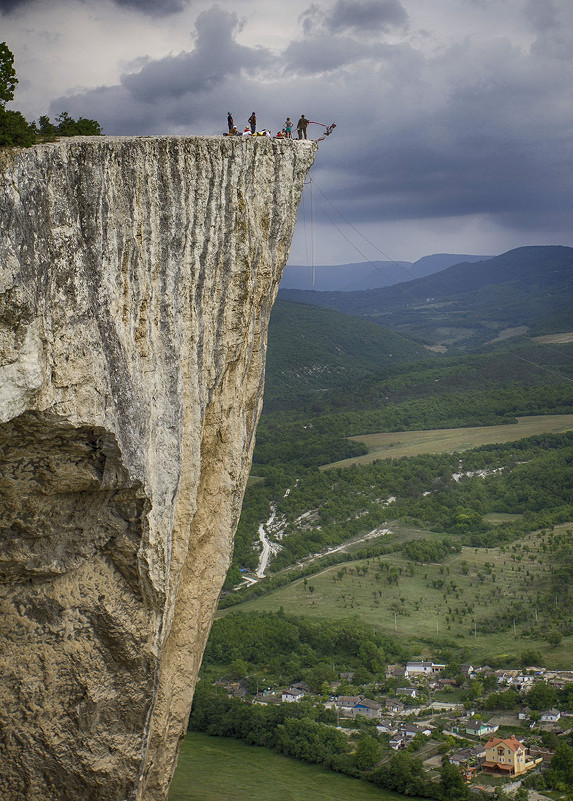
<point>14,128</point>
<point>8,79</point>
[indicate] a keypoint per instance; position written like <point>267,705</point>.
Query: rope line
<point>412,276</point>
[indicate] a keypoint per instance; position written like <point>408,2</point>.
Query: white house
<point>479,728</point>
<point>394,705</point>
<point>292,695</point>
<point>410,692</point>
<point>398,741</point>
<point>410,730</point>
<point>423,668</point>
<point>550,716</point>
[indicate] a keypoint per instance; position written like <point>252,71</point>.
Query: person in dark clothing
<point>230,122</point>
<point>253,122</point>
<point>301,127</point>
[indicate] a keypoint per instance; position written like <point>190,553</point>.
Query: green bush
<point>15,130</point>
<point>67,126</point>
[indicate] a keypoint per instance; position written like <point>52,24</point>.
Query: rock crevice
<point>137,276</point>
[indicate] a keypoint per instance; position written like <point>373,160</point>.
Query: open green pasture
<point>447,440</point>
<point>464,600</point>
<point>554,339</point>
<point>221,769</point>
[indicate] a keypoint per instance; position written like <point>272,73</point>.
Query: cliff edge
<point>137,277</point>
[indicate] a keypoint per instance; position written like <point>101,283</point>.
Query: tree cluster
<point>291,648</point>
<point>534,481</point>
<point>306,733</point>
<point>16,131</point>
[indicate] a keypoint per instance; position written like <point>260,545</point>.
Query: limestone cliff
<point>137,277</point>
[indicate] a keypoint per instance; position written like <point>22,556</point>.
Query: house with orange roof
<point>509,757</point>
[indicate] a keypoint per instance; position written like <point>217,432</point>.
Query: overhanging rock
<point>137,277</point>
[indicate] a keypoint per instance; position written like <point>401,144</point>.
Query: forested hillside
<point>485,389</point>
<point>467,305</point>
<point>312,349</point>
<point>367,538</point>
<point>332,377</point>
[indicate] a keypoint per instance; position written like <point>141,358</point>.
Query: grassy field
<point>220,769</point>
<point>554,339</point>
<point>449,601</point>
<point>446,440</point>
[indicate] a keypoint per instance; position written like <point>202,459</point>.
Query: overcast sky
<point>454,117</point>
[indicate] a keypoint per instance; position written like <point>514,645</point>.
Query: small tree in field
<point>554,637</point>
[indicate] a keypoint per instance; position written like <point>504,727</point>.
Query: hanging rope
<point>403,287</point>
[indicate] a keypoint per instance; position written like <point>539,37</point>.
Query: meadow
<point>396,444</point>
<point>222,769</point>
<point>492,601</point>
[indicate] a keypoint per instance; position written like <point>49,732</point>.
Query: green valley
<point>490,603</point>
<point>406,502</point>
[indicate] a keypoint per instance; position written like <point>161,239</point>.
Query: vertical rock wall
<point>137,277</point>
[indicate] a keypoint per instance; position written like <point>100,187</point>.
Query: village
<point>496,736</point>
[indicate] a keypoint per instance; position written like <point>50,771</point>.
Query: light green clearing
<point>500,517</point>
<point>446,440</point>
<point>416,611</point>
<point>554,339</point>
<point>508,333</point>
<point>221,769</point>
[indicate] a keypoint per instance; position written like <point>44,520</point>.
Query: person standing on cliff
<point>230,122</point>
<point>288,128</point>
<point>253,122</point>
<point>301,127</point>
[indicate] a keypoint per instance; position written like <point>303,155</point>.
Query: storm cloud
<point>438,118</point>
<point>216,58</point>
<point>354,16</point>
<point>151,7</point>
<point>181,93</point>
<point>6,6</point>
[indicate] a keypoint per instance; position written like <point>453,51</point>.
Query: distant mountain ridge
<point>529,289</point>
<point>368,275</point>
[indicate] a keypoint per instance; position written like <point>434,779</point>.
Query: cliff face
<point>137,276</point>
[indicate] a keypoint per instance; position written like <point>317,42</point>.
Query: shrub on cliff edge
<point>15,130</point>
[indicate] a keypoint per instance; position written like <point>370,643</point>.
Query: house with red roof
<point>508,757</point>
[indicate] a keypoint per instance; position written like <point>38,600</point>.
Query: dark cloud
<point>542,15</point>
<point>495,144</point>
<point>215,59</point>
<point>355,16</point>
<point>154,8</point>
<point>366,15</point>
<point>180,92</point>
<point>477,129</point>
<point>6,6</point>
<point>324,53</point>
